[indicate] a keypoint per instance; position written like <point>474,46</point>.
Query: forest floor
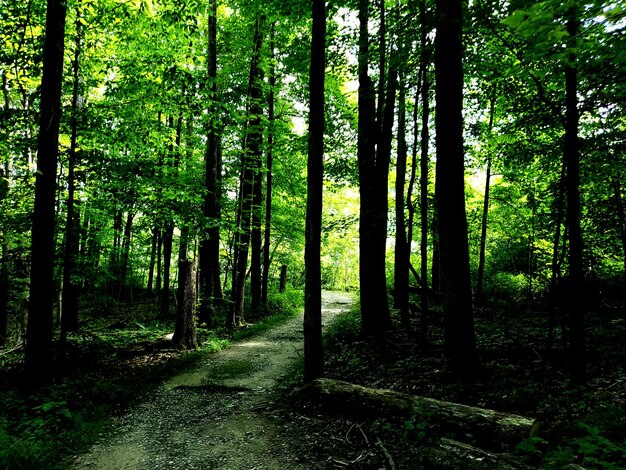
<point>223,413</point>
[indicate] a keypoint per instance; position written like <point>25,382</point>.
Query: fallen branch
<point>392,464</point>
<point>452,455</point>
<point>16,348</point>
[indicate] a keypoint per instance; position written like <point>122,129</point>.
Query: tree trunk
<point>575,300</point>
<point>209,251</point>
<point>38,358</point>
<point>402,250</point>
<point>372,276</point>
<point>313,352</point>
<point>282,283</point>
<point>153,249</point>
<point>621,217</point>
<point>483,225</point>
<point>492,429</point>
<point>185,329</point>
<point>250,165</point>
<point>125,254</point>
<point>256,239</point>
<point>268,189</point>
<point>168,238</point>
<point>425,137</point>
<point>158,263</point>
<point>69,314</point>
<point>460,342</point>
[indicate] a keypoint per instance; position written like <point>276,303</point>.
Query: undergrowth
<point>41,430</point>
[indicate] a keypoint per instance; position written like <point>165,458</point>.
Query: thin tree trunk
<point>575,298</point>
<point>425,137</point>
<point>483,225</point>
<point>125,254</point>
<point>209,250</point>
<point>621,217</point>
<point>153,249</point>
<point>268,189</point>
<point>158,263</point>
<point>5,185</point>
<point>250,165</point>
<point>256,238</point>
<point>313,352</point>
<point>555,270</point>
<point>38,358</point>
<point>460,340</point>
<point>402,250</point>
<point>69,314</point>
<point>168,238</point>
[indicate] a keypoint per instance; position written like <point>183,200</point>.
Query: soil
<point>225,413</point>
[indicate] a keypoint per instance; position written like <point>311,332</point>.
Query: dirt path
<point>216,416</point>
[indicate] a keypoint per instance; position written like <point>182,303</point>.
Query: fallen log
<point>487,428</point>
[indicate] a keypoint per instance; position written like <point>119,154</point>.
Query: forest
<point>438,184</point>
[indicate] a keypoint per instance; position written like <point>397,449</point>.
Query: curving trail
<point>216,416</point>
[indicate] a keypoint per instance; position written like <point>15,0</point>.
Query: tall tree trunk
<point>402,252</point>
<point>555,265</point>
<point>209,251</point>
<point>256,239</point>
<point>425,138</point>
<point>250,166</point>
<point>460,343</point>
<point>168,238</point>
<point>621,217</point>
<point>483,225</point>
<point>313,352</point>
<point>575,299</point>
<point>69,314</point>
<point>372,279</point>
<point>38,358</point>
<point>158,263</point>
<point>5,176</point>
<point>153,249</point>
<point>268,184</point>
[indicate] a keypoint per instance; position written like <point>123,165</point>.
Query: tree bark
<point>185,329</point>
<point>575,300</point>
<point>486,427</point>
<point>313,352</point>
<point>209,251</point>
<point>460,342</point>
<point>38,358</point>
<point>483,226</point>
